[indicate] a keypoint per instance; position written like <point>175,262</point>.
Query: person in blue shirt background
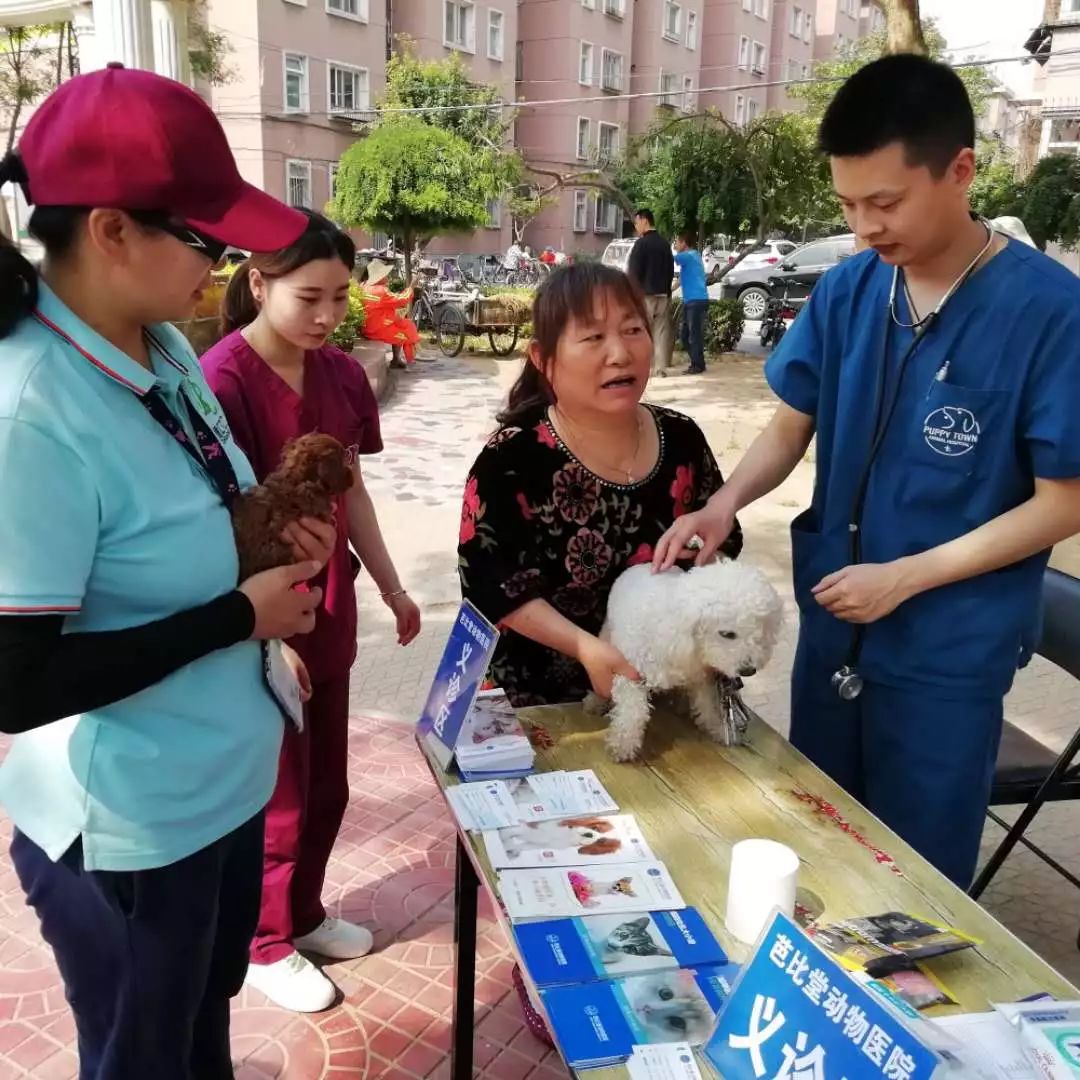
<point>695,297</point>
<point>939,369</point>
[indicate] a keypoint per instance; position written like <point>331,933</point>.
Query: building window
<point>495,35</point>
<point>615,8</point>
<point>584,136</point>
<point>519,61</point>
<point>606,215</point>
<point>808,28</point>
<point>297,96</point>
<point>795,21</point>
<point>761,8</point>
<point>751,110</point>
<point>585,65</point>
<point>608,142</point>
<point>744,53</point>
<point>806,71</point>
<point>581,210</point>
<point>672,20</point>
<point>590,4</point>
<point>611,70</point>
<point>333,171</point>
<point>347,90</point>
<point>298,184</point>
<point>757,64</point>
<point>740,109</point>
<point>669,90</point>
<point>1064,135</point>
<point>691,29</point>
<point>351,9</point>
<point>494,211</point>
<point>792,70</point>
<point>459,24</point>
<point>748,5</point>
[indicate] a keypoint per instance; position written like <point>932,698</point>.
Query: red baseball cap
<point>133,140</point>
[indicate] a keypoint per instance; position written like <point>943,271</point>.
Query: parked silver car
<point>749,281</point>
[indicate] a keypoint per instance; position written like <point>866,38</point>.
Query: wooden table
<point>694,799</point>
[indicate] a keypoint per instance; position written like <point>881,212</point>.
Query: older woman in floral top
<point>579,482</point>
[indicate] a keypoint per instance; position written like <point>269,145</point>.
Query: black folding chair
<point>1027,771</point>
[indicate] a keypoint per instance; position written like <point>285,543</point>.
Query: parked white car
<point>617,253</point>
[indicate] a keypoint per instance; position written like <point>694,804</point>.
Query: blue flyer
<point>794,1012</point>
<point>601,1023</point>
<point>461,673</point>
<point>561,951</point>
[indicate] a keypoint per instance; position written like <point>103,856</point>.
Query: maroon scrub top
<point>264,413</point>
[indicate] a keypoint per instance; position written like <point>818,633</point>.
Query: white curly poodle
<point>683,630</point>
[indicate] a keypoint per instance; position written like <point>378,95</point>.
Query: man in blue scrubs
<point>948,432</point>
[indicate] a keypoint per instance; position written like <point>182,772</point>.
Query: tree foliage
<point>707,176</point>
<point>33,61</point>
<point>1048,202</point>
<point>412,180</point>
<point>817,94</point>
<point>208,49</point>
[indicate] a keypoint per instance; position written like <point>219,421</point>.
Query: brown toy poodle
<point>314,471</point>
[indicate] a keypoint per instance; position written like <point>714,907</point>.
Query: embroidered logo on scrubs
<point>206,406</point>
<point>951,431</point>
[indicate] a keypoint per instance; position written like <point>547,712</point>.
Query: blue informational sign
<point>797,1015</point>
<point>458,680</point>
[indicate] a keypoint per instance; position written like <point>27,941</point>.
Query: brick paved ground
<point>392,867</point>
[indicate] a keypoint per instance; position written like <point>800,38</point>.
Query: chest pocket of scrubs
<point>957,429</point>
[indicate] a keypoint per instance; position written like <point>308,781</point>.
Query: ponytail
<point>239,307</point>
<point>18,278</point>
<point>322,239</point>
<point>530,393</point>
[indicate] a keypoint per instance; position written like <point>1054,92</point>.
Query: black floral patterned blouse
<point>536,524</point>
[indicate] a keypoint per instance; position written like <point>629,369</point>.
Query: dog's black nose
<point>746,672</point>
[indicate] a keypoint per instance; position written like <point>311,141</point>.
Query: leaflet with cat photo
<point>601,1023</point>
<point>573,841</point>
<point>548,892</point>
<point>561,951</point>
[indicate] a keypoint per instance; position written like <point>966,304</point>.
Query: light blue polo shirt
<point>106,519</point>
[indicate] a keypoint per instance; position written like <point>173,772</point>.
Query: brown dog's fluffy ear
<point>606,845</point>
<point>318,459</point>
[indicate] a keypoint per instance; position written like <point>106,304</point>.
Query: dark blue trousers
<point>693,332</point>
<point>150,958</point>
<point>922,764</point>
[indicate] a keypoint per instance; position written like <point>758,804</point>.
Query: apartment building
<point>485,36</point>
<point>791,54</point>
<point>839,24</point>
<point>305,72</point>
<point>581,50</point>
<point>736,42</point>
<point>666,59</point>
<point>1054,44</point>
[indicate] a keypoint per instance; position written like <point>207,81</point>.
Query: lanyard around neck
<point>210,456</point>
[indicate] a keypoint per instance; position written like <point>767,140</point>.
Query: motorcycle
<point>774,322</point>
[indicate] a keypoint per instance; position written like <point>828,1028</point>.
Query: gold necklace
<point>564,420</point>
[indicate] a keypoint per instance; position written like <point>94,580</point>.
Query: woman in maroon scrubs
<point>277,378</point>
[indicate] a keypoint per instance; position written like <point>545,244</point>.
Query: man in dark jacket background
<point>652,266</point>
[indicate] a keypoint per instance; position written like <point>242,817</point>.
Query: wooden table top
<point>694,799</point>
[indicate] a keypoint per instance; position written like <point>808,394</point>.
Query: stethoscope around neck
<point>846,681</point>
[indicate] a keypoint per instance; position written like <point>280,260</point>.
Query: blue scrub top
<point>691,275</point>
<point>958,453</point>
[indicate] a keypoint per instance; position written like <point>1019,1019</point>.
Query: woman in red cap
<point>142,684</point>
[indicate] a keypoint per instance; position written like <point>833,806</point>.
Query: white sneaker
<point>294,983</point>
<point>337,939</point>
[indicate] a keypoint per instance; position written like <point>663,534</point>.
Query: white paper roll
<point>763,877</point>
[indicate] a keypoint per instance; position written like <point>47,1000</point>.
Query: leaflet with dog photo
<point>549,893</point>
<point>601,1023</point>
<point>572,841</point>
<point>564,951</point>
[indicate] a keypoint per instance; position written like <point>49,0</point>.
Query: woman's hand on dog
<point>282,610</point>
<point>311,540</point>
<point>602,662</point>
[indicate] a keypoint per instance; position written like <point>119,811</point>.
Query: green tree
<point>208,49</point>
<point>995,190</point>
<point>707,176</point>
<point>414,181</point>
<point>1049,202</point>
<point>817,94</point>
<point>31,64</point>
